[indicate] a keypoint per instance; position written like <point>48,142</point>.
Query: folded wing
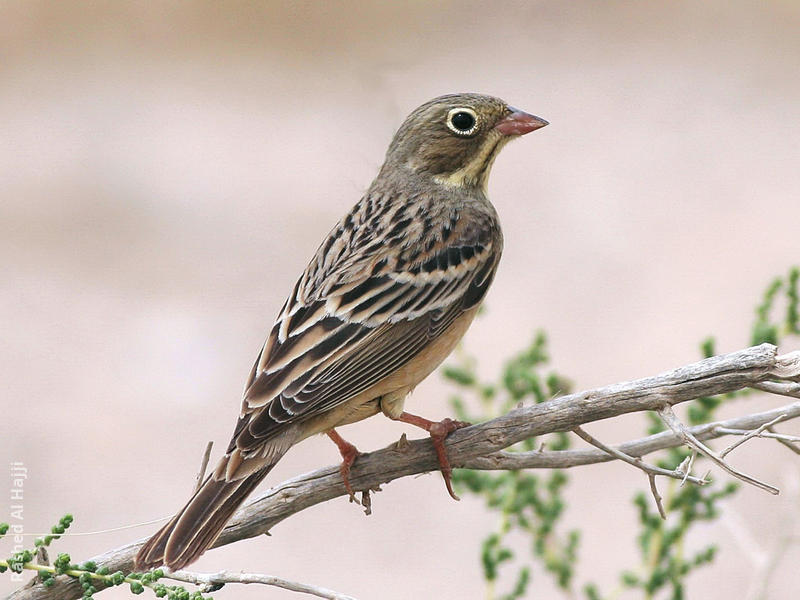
<point>322,351</point>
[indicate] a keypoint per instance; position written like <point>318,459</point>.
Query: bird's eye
<point>462,121</point>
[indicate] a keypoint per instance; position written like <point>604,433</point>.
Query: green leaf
<point>459,375</point>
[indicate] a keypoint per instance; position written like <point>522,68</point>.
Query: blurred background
<point>167,170</point>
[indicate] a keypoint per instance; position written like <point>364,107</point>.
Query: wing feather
<point>374,361</point>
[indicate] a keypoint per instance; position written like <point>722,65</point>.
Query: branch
<point>564,459</point>
<point>784,439</point>
<point>784,389</point>
<point>751,434</point>
<point>769,434</point>
<point>478,446</point>
<point>682,472</point>
<point>215,581</point>
<point>636,462</point>
<point>669,417</point>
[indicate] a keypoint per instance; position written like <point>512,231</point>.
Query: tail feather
<point>195,528</point>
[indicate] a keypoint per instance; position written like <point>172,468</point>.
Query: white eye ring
<point>460,131</point>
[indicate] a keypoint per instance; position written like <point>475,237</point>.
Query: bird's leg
<point>349,454</point>
<point>438,430</point>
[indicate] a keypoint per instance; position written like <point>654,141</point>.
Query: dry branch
<point>750,435</point>
<point>480,446</point>
<point>217,580</point>
<point>636,462</point>
<point>669,417</point>
<point>682,472</point>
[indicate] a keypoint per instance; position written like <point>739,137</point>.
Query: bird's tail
<point>195,528</point>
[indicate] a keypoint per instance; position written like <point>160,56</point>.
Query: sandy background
<point>166,171</point>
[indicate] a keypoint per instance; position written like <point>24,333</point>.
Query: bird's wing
<point>371,318</point>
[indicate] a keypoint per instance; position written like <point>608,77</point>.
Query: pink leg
<point>349,454</point>
<point>439,430</point>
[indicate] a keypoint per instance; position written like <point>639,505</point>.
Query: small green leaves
<point>708,347</point>
<point>136,587</point>
<point>88,574</point>
<point>520,586</point>
<point>493,554</point>
<point>793,302</point>
<point>526,503</point>
<point>591,592</point>
<point>520,378</point>
<point>533,504</point>
<point>62,564</point>
<point>766,328</point>
<point>459,375</point>
<point>89,566</point>
<point>86,581</point>
<point>62,525</point>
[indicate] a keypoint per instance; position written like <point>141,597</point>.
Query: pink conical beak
<point>519,123</point>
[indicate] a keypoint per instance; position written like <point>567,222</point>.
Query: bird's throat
<point>475,173</point>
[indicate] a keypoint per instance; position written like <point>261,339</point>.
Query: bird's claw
<point>347,460</point>
<point>439,431</point>
<point>349,454</point>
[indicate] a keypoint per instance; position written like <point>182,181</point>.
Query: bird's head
<point>455,138</point>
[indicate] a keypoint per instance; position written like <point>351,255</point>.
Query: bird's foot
<point>349,454</point>
<point>438,431</point>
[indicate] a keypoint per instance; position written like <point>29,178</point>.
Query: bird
<point>386,297</point>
